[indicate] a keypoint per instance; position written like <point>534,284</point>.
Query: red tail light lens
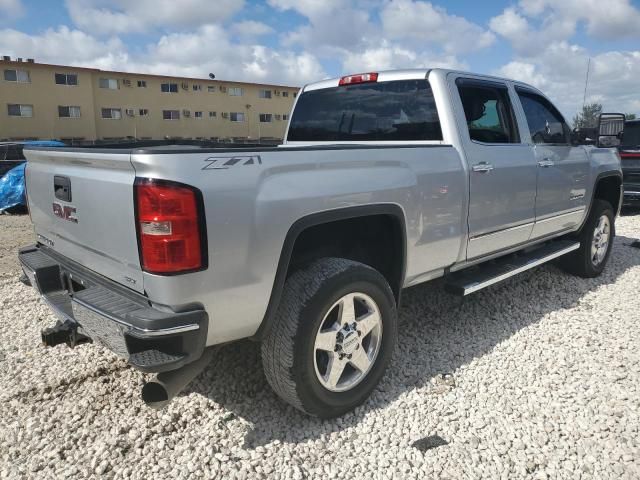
<point>170,225</point>
<point>359,78</point>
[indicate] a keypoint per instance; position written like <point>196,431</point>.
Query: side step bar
<point>476,278</point>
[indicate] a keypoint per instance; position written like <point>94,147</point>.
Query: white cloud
<point>603,18</point>
<point>378,35</point>
<point>179,54</point>
<point>540,32</point>
<point>535,23</point>
<point>121,16</point>
<point>10,9</point>
<point>561,71</point>
<point>183,52</point>
<point>65,46</point>
<point>251,28</point>
<point>332,25</point>
<point>526,39</point>
<point>388,57</point>
<point>427,23</point>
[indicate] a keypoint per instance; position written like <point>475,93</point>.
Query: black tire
<point>580,262</point>
<point>288,350</point>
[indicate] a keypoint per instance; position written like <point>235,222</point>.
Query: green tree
<point>588,117</point>
<point>630,116</point>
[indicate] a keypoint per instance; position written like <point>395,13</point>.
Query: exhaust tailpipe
<point>160,391</point>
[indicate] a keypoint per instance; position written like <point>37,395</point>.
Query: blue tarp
<point>12,188</point>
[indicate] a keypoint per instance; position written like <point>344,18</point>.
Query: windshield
<point>398,110</point>
<point>631,135</point>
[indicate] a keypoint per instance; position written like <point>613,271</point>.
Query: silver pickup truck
<point>384,180</point>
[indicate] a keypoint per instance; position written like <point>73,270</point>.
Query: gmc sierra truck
<point>630,152</point>
<point>384,180</point>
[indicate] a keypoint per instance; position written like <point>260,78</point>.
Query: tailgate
<point>81,205</point>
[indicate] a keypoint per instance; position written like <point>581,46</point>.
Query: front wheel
<point>333,337</point>
<point>596,241</point>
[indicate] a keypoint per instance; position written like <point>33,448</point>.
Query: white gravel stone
<point>535,378</point>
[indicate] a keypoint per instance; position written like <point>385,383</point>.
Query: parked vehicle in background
<point>11,153</point>
<point>12,197</point>
<point>630,154</point>
<point>385,180</point>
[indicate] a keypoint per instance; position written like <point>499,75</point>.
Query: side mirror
<point>610,129</point>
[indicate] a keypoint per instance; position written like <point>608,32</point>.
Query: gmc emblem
<point>65,212</point>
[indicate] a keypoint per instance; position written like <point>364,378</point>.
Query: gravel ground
<point>535,378</point>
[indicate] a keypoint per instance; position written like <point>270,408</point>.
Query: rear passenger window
<point>488,111</point>
<point>545,122</point>
<point>380,111</point>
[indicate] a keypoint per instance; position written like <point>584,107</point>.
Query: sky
<point>547,43</point>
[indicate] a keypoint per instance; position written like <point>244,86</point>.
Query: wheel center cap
<point>350,342</point>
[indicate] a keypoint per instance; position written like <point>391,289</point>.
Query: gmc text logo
<point>65,212</point>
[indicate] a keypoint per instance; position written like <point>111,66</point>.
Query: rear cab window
<point>488,111</point>
<point>399,110</point>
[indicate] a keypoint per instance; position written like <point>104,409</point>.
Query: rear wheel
<point>596,240</point>
<point>333,337</point>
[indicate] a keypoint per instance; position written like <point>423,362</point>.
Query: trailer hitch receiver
<point>63,332</point>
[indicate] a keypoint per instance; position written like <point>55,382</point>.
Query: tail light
<point>171,227</point>
<point>359,78</point>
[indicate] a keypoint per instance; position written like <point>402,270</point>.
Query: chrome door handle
<point>482,167</point>
<point>546,163</point>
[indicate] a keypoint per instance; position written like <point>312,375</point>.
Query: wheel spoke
<point>326,341</point>
<point>368,322</point>
<point>347,310</point>
<point>334,371</point>
<point>360,360</point>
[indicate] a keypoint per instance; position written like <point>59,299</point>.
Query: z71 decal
<point>223,163</point>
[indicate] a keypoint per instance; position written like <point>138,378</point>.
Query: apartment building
<point>42,101</point>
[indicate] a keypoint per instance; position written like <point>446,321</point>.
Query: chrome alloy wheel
<point>347,342</point>
<point>600,242</point>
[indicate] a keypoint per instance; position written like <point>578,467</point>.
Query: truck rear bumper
<point>150,339</point>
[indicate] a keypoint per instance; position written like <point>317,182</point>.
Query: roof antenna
<point>586,83</point>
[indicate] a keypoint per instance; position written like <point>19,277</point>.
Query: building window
<point>66,79</point>
<point>142,83</point>
<point>143,112</point>
<point>295,94</point>
<point>197,88</point>
<point>20,76</point>
<point>211,88</point>
<point>171,114</point>
<point>213,114</point>
<point>169,88</point>
<point>68,112</point>
<point>235,91</point>
<point>264,93</point>
<point>285,116</point>
<point>236,116</point>
<point>285,94</point>
<point>112,113</point>
<point>266,117</point>
<point>197,115</point>
<point>278,117</point>
<point>16,110</point>
<point>110,83</point>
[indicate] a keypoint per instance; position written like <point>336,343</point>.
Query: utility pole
<point>586,83</point>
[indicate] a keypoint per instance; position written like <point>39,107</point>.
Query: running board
<point>476,278</point>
